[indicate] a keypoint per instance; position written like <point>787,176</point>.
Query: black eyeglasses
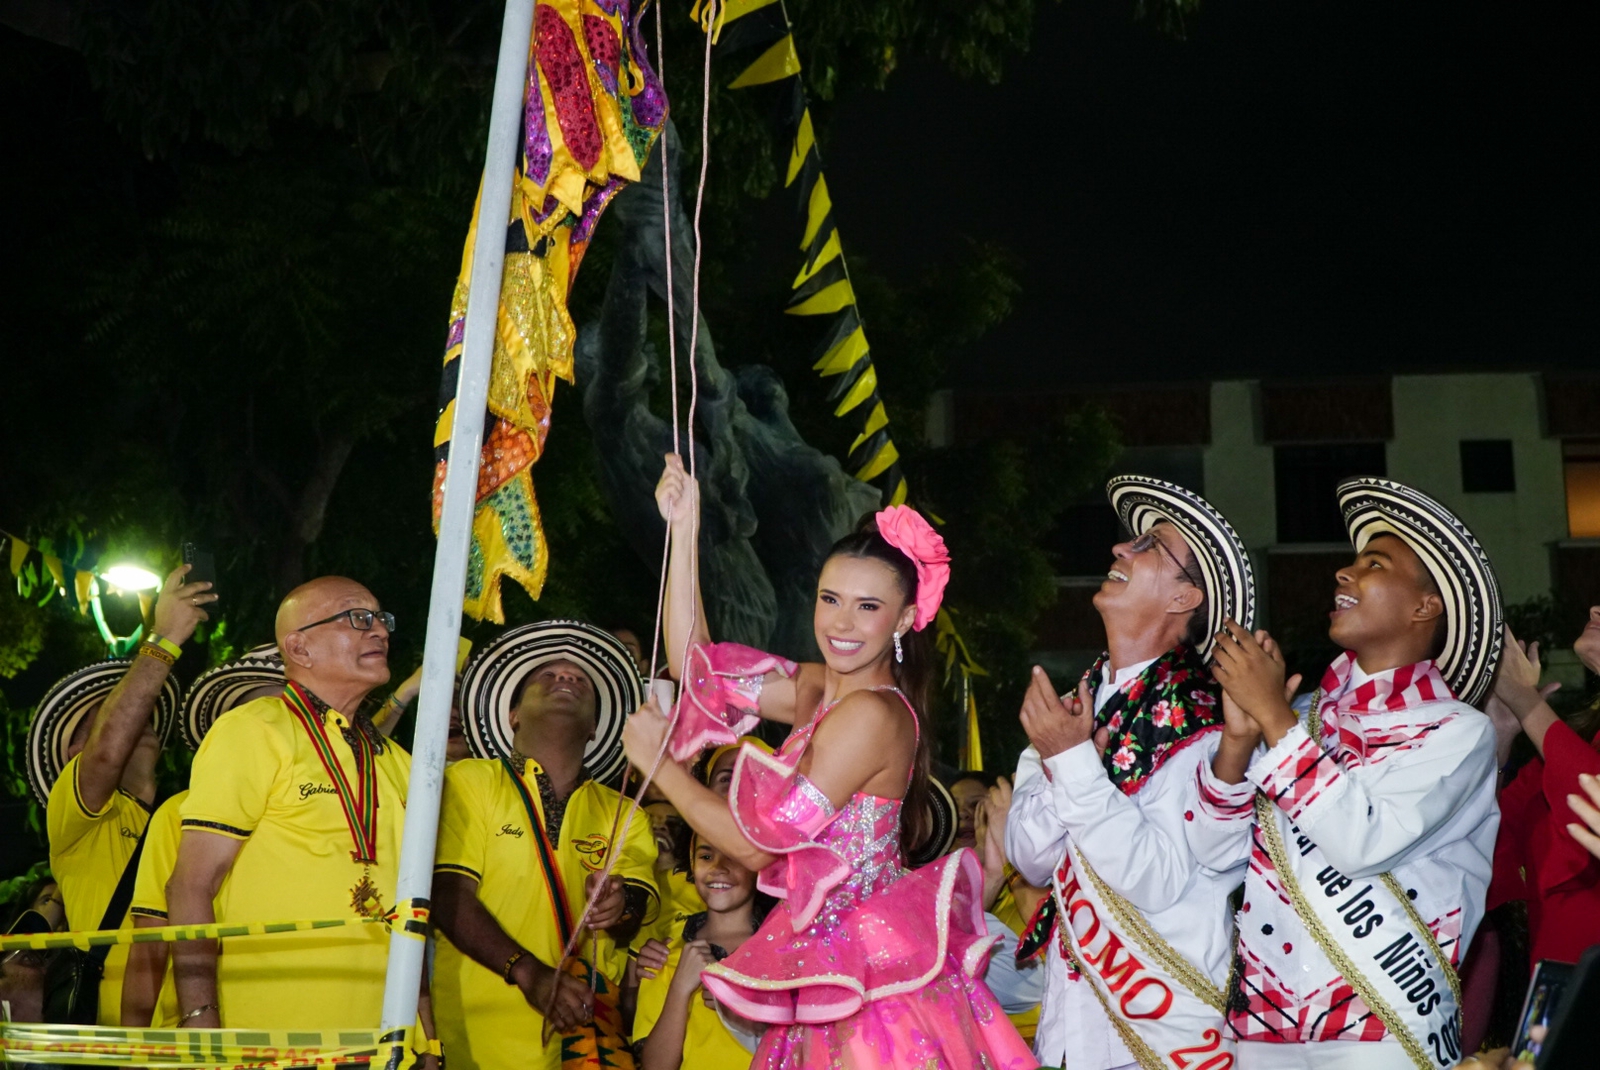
<point>360,619</point>
<point>1149,539</point>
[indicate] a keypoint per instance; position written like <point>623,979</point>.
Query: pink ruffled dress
<point>864,964</point>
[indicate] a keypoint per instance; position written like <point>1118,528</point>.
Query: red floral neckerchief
<point>1157,712</point>
<point>1166,707</point>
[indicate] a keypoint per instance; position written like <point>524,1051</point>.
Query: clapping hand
<point>1251,670</point>
<point>1056,723</point>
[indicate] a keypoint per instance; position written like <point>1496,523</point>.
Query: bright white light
<point>131,578</point>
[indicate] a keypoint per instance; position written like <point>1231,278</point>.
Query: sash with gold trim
<point>1374,937</point>
<point>1166,1010</point>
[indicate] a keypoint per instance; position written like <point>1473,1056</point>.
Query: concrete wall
<point>1433,414</point>
<point>1238,467</point>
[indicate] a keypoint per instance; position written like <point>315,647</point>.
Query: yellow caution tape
<point>171,933</point>
<point>412,914</point>
<point>197,1049</point>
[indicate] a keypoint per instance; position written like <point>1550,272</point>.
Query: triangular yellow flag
<point>974,746</point>
<point>818,205</point>
<point>829,251</point>
<point>803,140</point>
<point>777,62</point>
<point>842,357</point>
<point>886,456</point>
<point>861,391</point>
<point>828,299</point>
<point>878,420</point>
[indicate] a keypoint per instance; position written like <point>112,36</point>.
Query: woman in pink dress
<point>863,964</point>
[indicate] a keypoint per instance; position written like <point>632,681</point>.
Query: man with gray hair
<point>1137,930</point>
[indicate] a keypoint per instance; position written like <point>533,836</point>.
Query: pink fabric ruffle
<point>720,695</point>
<point>892,943</point>
<point>775,812</point>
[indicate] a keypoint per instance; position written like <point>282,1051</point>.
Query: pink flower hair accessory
<point>904,528</point>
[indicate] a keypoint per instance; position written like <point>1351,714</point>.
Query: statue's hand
<point>677,493</point>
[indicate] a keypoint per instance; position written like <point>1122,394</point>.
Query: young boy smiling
<point>1369,819</point>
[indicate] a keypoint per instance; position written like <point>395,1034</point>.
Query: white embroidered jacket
<point>1421,806</point>
<point>1137,844</point>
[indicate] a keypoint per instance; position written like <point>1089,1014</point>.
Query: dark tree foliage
<point>234,241</point>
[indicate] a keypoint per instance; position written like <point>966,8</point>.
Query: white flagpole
<point>455,523</point>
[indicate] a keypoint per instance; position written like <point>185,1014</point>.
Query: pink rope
<point>626,822</point>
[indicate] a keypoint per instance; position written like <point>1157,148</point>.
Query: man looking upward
<point>524,831</point>
<point>1137,929</point>
<point>1369,821</point>
<point>295,810</point>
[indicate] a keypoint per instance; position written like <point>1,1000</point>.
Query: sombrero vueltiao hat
<point>1143,502</point>
<point>65,706</point>
<point>1458,565</point>
<point>942,823</point>
<point>216,691</point>
<point>492,674</point>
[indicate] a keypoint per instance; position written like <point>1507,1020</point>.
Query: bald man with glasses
<point>295,811</point>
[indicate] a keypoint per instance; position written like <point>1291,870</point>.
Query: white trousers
<point>1328,1055</point>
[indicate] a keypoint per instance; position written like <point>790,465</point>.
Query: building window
<point>1580,462</point>
<point>1082,538</point>
<point>1306,477</point>
<point>1486,466</point>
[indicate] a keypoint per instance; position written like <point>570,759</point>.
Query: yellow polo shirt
<point>707,1044</point>
<point>679,899</point>
<point>484,834</point>
<point>258,779</point>
<point>88,852</point>
<point>150,893</point>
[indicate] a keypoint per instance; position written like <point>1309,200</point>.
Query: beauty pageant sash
<point>1375,939</point>
<point>1166,1010</point>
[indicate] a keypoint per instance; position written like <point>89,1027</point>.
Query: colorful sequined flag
<point>822,287</point>
<point>592,110</point>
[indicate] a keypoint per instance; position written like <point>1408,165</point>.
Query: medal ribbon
<point>360,805</point>
<point>547,857</point>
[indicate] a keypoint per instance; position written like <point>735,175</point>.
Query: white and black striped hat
<point>492,674</point>
<point>65,706</point>
<point>216,691</point>
<point>1230,583</point>
<point>1458,565</point>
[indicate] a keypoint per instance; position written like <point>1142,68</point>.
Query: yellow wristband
<point>155,653</point>
<point>165,644</point>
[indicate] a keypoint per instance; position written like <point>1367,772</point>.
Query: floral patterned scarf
<point>1163,709</point>
<point>1160,710</point>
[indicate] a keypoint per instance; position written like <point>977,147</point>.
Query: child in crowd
<point>677,1023</point>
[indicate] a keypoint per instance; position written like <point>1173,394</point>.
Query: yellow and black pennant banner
<point>199,1049</point>
<point>822,287</point>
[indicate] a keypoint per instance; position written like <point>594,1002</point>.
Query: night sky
<point>1299,188</point>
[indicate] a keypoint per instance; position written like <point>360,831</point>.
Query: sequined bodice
<point>867,835</point>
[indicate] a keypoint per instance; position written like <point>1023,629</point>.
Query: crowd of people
<point>1197,863</point>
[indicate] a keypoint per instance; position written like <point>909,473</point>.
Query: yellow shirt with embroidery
<point>679,900</point>
<point>156,862</point>
<point>485,834</point>
<point>88,852</point>
<point>258,779</point>
<point>707,1044</point>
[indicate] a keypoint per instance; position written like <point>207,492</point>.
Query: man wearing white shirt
<point>1137,931</point>
<point>1369,821</point>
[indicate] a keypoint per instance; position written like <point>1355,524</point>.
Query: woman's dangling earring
<point>899,652</point>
